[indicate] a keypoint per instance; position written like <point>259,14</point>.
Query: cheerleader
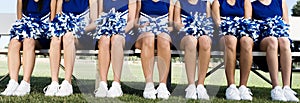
<point>155,18</point>
<point>274,38</point>
<point>68,25</point>
<point>115,21</point>
<point>233,17</point>
<point>30,29</point>
<point>192,18</point>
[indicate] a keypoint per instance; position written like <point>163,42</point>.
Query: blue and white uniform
<point>74,18</point>
<point>233,21</point>
<point>34,22</point>
<point>271,22</point>
<point>156,14</point>
<point>194,19</point>
<point>114,18</point>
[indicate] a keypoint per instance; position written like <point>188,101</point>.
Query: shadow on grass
<point>84,89</point>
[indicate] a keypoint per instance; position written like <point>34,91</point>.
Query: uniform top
<point>273,9</point>
<point>119,5</point>
<point>188,8</point>
<point>32,9</point>
<point>155,9</point>
<point>227,10</point>
<point>75,6</point>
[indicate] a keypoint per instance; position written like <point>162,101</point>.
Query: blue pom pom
<point>249,28</point>
<point>29,27</point>
<point>198,25</point>
<point>274,27</point>
<point>110,23</point>
<point>230,26</point>
<point>62,23</point>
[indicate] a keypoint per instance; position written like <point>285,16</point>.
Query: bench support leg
<point>169,83</point>
<point>4,77</point>
<point>261,76</point>
<point>214,69</point>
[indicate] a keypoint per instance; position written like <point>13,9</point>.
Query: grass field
<point>133,84</point>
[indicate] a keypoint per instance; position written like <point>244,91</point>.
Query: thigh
<point>140,38</point>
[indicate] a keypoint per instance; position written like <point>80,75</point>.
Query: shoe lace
<point>45,89</point>
<point>291,91</point>
<point>249,91</point>
<point>233,91</point>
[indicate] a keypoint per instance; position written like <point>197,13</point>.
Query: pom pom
<point>110,23</point>
<point>198,25</point>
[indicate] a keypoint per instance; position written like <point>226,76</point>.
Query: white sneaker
<point>232,93</point>
<point>149,92</point>
<point>245,93</point>
<point>191,92</point>
<point>202,93</point>
<point>11,88</point>
<point>65,89</point>
<point>278,94</point>
<point>51,89</point>
<point>162,91</point>
<point>290,94</point>
<point>102,90</point>
<point>115,90</point>
<point>23,89</point>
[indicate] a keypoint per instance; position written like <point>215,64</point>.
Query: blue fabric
<point>273,9</point>
<point>227,10</point>
<point>76,7</point>
<point>119,5</point>
<point>187,8</point>
<point>155,9</point>
<point>32,9</point>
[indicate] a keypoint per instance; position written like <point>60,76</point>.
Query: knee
<point>204,43</point>
<point>68,38</point>
<point>14,44</point>
<point>148,42</point>
<point>163,44</point>
<point>104,43</point>
<point>272,44</point>
<point>230,43</point>
<point>284,44</point>
<point>246,44</point>
<point>28,44</point>
<point>117,41</point>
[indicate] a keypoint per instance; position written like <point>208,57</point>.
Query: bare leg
<point>104,57</point>
<point>246,45</point>
<point>204,57</point>
<point>146,44</point>
<point>28,58</point>
<point>14,59</point>
<point>69,54</point>
<point>164,56</point>
<point>229,42</point>
<point>270,45</point>
<point>117,45</point>
<point>188,44</point>
<point>285,60</point>
<point>55,48</point>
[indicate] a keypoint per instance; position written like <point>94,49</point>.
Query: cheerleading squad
<point>187,24</point>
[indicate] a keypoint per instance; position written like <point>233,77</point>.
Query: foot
<point>245,93</point>
<point>65,89</point>
<point>278,94</point>
<point>202,93</point>
<point>51,89</point>
<point>102,90</point>
<point>115,90</point>
<point>191,92</point>
<point>289,94</point>
<point>23,89</point>
<point>149,92</point>
<point>11,88</point>
<point>162,91</point>
<point>232,93</point>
